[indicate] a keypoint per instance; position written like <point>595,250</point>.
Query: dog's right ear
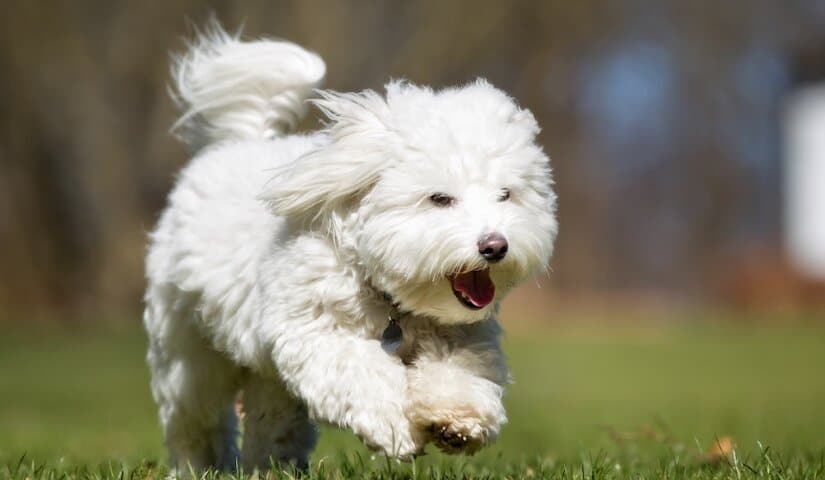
<point>342,169</point>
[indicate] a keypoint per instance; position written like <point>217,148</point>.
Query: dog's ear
<point>338,171</point>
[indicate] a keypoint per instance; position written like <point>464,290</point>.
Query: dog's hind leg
<point>195,388</point>
<point>277,428</point>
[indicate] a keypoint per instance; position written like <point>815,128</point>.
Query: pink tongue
<point>476,286</point>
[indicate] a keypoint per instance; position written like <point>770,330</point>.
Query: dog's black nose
<point>492,246</point>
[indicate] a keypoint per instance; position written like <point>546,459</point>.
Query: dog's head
<point>443,198</point>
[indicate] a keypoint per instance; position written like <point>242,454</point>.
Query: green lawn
<point>632,402</point>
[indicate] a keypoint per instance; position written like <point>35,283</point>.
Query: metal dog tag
<point>392,337</point>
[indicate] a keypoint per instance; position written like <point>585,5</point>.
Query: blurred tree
<point>660,117</point>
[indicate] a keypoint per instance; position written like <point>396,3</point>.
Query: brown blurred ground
<point>661,119</point>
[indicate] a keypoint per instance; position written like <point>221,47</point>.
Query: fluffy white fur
<point>267,270</point>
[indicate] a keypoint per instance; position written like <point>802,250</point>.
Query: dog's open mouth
<point>475,289</point>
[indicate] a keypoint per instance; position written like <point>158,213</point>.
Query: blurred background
<point>687,141</point>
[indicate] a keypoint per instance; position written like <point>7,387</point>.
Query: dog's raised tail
<point>230,89</point>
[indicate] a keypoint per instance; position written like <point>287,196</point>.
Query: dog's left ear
<point>346,167</point>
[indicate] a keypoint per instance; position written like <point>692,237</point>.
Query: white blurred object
<point>804,125</point>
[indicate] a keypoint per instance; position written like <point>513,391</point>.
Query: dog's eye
<point>442,199</point>
<point>504,195</point>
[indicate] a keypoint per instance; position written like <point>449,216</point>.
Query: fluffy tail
<point>231,90</point>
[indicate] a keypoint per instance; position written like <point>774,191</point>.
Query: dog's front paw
<point>390,435</point>
<point>459,420</point>
<point>457,437</point>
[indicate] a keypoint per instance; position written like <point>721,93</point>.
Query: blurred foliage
<point>661,119</point>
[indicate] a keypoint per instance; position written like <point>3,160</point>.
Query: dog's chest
<point>404,338</point>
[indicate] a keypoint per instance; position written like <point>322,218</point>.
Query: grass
<point>629,402</point>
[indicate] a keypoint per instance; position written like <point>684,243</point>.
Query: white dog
<point>348,276</point>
